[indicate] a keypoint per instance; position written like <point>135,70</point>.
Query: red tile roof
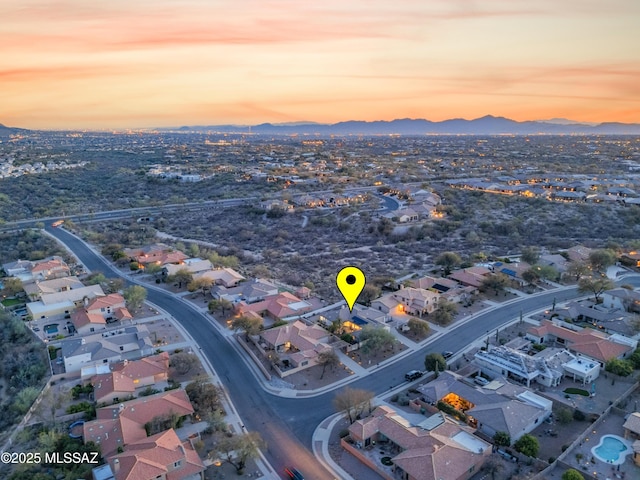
<point>588,342</point>
<point>145,367</point>
<point>151,457</point>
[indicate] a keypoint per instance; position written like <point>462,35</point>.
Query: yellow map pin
<point>350,282</point>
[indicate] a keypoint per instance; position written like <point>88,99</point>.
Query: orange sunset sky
<point>142,63</point>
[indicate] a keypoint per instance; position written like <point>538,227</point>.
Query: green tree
<point>572,474</point>
<point>435,362</point>
<point>205,397</point>
<point>600,260</point>
<point>496,282</point>
<point>12,286</point>
<point>418,327</point>
<point>249,325</point>
<point>25,398</point>
<point>353,402</point>
<point>502,439</point>
<point>114,285</point>
<point>624,368</point>
<point>96,278</point>
<point>443,315</point>
<point>531,275</point>
<point>153,269</point>
<point>448,261</point>
<point>597,286</point>
<point>238,449</point>
<point>531,255</point>
<point>181,277</point>
<point>527,445</point>
<point>376,339</point>
<point>548,272</point>
<point>134,296</point>
<point>202,284</point>
<point>564,415</point>
<point>369,294</point>
<point>328,358</point>
<point>578,269</point>
<point>183,362</point>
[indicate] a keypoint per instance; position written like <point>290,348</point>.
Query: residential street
<point>287,424</point>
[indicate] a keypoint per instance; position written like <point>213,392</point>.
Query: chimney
<point>116,466</point>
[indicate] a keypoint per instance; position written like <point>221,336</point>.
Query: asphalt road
<point>138,212</point>
<point>287,424</point>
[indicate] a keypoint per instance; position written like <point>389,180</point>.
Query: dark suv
<point>412,375</point>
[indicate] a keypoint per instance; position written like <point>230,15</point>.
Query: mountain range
<point>487,125</point>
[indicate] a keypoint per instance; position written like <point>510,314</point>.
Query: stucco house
<point>63,302</point>
<point>296,344</point>
<point>434,450</point>
<point>582,341</point>
<point>158,457</point>
<point>122,424</point>
<point>109,346</point>
<point>95,315</point>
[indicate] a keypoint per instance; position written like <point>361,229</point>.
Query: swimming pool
<point>612,449</point>
<point>53,328</point>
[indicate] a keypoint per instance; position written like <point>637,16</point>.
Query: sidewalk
<point>232,417</point>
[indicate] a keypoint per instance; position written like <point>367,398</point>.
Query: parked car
<point>412,375</point>
<point>481,380</point>
<point>293,473</point>
<point>36,329</point>
<point>447,354</point>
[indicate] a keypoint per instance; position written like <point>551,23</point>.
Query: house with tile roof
<point>127,377</point>
<point>146,371</point>
<point>296,344</point>
<point>122,424</point>
<point>417,301</point>
<point>49,268</point>
<point>414,301</point>
<point>160,457</point>
<point>276,307</point>
<point>437,450</point>
<point>112,387</point>
<point>470,277</point>
<point>95,315</point>
<point>158,253</point>
<point>582,341</point>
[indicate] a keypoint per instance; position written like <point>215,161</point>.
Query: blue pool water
<point>611,450</point>
<point>51,328</point>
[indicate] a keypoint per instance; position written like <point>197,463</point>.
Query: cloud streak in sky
<point>275,60</point>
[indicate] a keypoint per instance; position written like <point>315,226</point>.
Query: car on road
<point>36,329</point>
<point>447,354</point>
<point>293,473</point>
<point>412,375</point>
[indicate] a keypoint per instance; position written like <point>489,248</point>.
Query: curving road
<point>287,424</point>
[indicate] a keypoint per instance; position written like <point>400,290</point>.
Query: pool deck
<point>611,425</point>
